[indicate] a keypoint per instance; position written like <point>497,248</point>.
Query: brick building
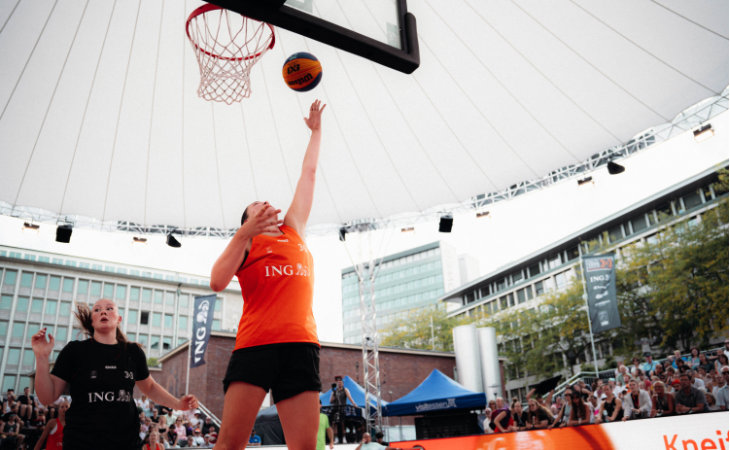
<point>401,370</point>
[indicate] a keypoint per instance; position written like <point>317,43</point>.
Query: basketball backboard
<point>380,30</point>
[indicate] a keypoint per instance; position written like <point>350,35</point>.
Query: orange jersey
<point>277,284</point>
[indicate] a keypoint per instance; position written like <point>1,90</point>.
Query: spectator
<point>52,434</point>
<point>659,371</point>
<point>720,361</point>
<point>697,382</point>
<point>593,402</point>
<point>206,442</point>
<point>144,403</point>
<point>367,444</point>
<point>180,431</point>
<point>721,395</point>
<point>338,399</point>
<point>10,403</point>
<point>500,417</point>
<point>11,430</point>
<point>662,403</point>
<point>538,417</point>
<point>580,411</point>
<point>688,399</point>
<point>710,401</point>
<point>615,388</point>
<point>635,368</point>
<point>563,415</point>
<point>170,437</point>
<point>637,403</point>
<point>208,426</point>
<point>153,441</point>
<point>28,404</point>
<point>694,358</point>
<point>380,438</point>
<point>491,407</point>
<point>705,364</point>
<point>518,420</point>
<point>610,409</point>
<point>189,442</point>
<point>199,441</point>
<point>678,359</point>
<point>254,440</point>
<point>649,365</point>
<point>583,390</point>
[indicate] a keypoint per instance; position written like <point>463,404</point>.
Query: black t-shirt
<point>101,379</point>
<point>26,399</point>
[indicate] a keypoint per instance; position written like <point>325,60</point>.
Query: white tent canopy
<point>99,115</point>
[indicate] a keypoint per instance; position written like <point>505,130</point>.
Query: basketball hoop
<point>227,46</point>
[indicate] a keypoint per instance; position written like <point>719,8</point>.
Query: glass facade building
<point>404,281</point>
<point>40,289</point>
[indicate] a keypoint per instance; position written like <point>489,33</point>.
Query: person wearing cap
<point>198,437</point>
<point>338,399</point>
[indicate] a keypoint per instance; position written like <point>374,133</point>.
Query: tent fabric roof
<point>436,393</point>
<point>99,115</point>
<point>356,391</point>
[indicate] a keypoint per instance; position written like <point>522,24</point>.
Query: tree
<point>534,340</point>
<point>415,331</point>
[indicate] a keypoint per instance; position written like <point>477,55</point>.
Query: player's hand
<point>314,121</point>
<point>187,402</point>
<point>265,220</point>
<point>42,347</point>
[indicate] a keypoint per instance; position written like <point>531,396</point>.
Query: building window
<point>170,298</point>
<point>639,224</point>
<point>65,309</point>
<point>61,334</point>
<point>109,290</point>
<point>96,289</point>
<point>216,325</point>
<point>3,330</point>
<point>8,382</point>
<point>182,322</point>
<point>156,319</point>
<point>26,279</point>
<point>40,281</point>
<point>146,295</point>
<point>51,305</point>
<point>166,343</point>
<point>615,234</point>
<point>6,302</point>
<point>121,292</point>
<point>158,297</point>
<point>521,297</point>
<point>21,305</point>
<point>691,200</point>
<point>36,306</point>
<point>13,356</point>
<point>168,321</point>
<point>83,287</point>
<point>134,294</point>
<point>155,342</point>
<point>68,285</point>
<point>132,316</point>
<point>28,358</point>
<point>539,288</point>
<point>10,277</point>
<point>144,318</point>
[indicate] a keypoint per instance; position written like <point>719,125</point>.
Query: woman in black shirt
<point>101,373</point>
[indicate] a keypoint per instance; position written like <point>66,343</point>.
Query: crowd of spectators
<point>695,383</point>
<point>23,419</point>
<point>161,428</point>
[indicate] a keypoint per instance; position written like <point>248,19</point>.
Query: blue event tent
<point>356,391</point>
<point>436,393</point>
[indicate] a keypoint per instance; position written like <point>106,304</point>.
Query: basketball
<point>302,71</point>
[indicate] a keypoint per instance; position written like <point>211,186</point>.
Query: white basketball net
<point>227,46</point>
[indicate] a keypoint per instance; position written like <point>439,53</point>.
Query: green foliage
<point>415,331</point>
<point>152,362</point>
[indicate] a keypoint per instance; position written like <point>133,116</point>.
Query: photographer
<point>338,400</point>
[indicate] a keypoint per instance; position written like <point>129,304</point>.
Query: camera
<point>334,386</point>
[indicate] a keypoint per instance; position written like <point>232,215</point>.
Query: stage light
<point>482,214</point>
<point>406,229</point>
<point>172,242</point>
<point>704,132</point>
<point>30,226</point>
<point>343,233</point>
<point>139,240</point>
<point>585,180</point>
<point>63,233</point>
<point>446,223</point>
<point>614,168</point>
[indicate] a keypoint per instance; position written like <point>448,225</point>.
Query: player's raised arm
<point>298,212</point>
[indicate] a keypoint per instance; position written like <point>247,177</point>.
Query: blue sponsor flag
<point>600,276</point>
<point>202,322</point>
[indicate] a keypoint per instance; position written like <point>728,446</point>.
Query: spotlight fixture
<point>63,233</point>
<point>31,226</point>
<point>343,233</point>
<point>446,223</point>
<point>704,132</point>
<point>140,240</point>
<point>482,214</point>
<point>406,229</point>
<point>172,242</point>
<point>615,168</point>
<point>585,180</point>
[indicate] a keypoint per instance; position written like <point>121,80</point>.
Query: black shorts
<point>287,369</point>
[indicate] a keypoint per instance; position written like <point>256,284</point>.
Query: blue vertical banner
<point>600,276</point>
<point>202,323</point>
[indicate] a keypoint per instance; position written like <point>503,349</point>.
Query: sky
<point>513,229</point>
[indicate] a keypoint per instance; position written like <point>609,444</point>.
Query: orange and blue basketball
<point>302,71</point>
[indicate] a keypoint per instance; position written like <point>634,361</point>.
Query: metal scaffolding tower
<point>370,365</point>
